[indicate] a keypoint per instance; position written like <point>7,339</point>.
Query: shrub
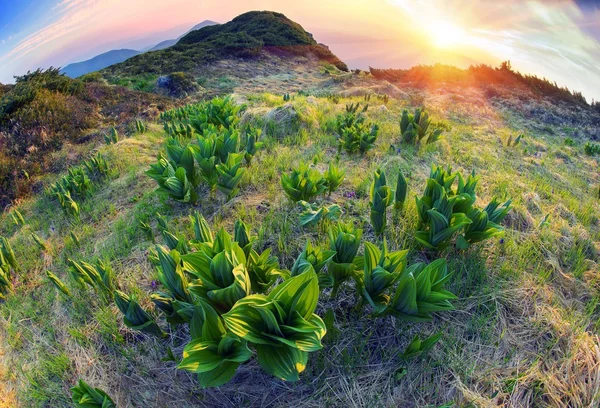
<point>591,149</point>
<point>178,84</point>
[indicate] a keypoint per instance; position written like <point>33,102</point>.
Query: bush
<point>591,149</point>
<point>178,84</point>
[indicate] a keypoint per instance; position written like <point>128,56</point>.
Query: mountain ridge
<point>168,43</point>
<point>108,58</point>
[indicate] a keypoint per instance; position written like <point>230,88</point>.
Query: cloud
<point>72,14</point>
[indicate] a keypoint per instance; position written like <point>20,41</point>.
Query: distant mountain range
<point>112,57</point>
<point>168,43</point>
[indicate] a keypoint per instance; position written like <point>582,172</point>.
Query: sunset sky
<point>556,39</point>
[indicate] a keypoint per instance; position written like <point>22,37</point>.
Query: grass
<point>524,331</point>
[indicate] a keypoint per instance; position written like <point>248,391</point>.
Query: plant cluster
<point>112,137</point>
<point>416,127</point>
<point>306,182</point>
<point>196,118</point>
<point>8,266</point>
<point>215,158</point>
<point>78,183</point>
<point>140,126</point>
<point>591,149</point>
<point>445,212</point>
<point>238,302</point>
<point>354,134</point>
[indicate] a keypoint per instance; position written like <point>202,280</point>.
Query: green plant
<point>591,149</point>
<point>418,346</point>
<point>439,219</point>
<point>311,258</point>
<point>381,197</point>
<point>303,183</point>
<point>344,240</point>
<point>134,316</point>
<point>85,396</point>
<point>58,283</point>
<point>230,174</point>
<point>8,254</point>
<point>358,138</point>
<point>312,214</point>
<point>401,190</point>
<point>381,269</point>
<point>213,353</point>
<point>354,134</point>
<point>171,182</point>
<point>444,212</point>
<point>39,242</point>
<point>282,326</point>
<point>215,157</point>
<point>17,217</point>
<point>514,142</point>
<point>112,137</point>
<point>79,182</point>
<point>420,292</point>
<point>140,126</point>
<point>99,276</point>
<point>74,239</point>
<point>252,143</point>
<point>415,128</point>
<point>334,176</point>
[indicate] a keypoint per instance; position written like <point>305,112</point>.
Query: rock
<point>382,109</point>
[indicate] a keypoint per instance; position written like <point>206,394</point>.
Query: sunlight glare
<point>445,34</point>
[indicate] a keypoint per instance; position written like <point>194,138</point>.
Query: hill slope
<point>246,36</point>
<point>97,63</point>
<point>527,307</point>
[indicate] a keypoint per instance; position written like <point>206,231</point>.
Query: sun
<point>445,34</point>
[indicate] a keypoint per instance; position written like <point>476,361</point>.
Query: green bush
<point>591,149</point>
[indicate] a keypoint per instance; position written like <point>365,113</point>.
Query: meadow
<point>506,315</point>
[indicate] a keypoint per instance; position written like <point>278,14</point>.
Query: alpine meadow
<point>241,218</point>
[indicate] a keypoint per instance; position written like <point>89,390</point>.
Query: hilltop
<point>114,176</point>
<point>249,35</point>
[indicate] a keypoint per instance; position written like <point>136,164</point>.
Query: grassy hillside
<point>523,331</point>
<point>247,36</point>
<point>44,111</point>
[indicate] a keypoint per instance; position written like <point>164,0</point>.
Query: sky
<point>556,39</point>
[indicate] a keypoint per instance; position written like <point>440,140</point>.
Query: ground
<point>524,331</point>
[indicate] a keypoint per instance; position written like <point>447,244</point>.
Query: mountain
<point>246,36</point>
<point>97,63</point>
<point>168,43</point>
<point>102,61</point>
